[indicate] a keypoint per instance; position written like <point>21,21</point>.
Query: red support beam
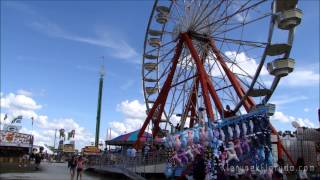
<point>215,97</point>
<point>156,124</point>
<point>161,99</point>
<point>190,106</point>
<point>234,81</point>
<point>193,106</point>
<point>202,75</point>
<point>250,100</point>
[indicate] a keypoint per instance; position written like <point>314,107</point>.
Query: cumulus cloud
<point>281,117</point>
<point>132,109</point>
<point>24,92</point>
<point>302,78</point>
<point>17,104</point>
<point>241,64</point>
<point>48,127</point>
<point>134,115</point>
<point>246,63</point>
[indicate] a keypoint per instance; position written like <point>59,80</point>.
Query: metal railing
<point>136,164</point>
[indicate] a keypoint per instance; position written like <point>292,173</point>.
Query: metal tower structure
<point>102,72</point>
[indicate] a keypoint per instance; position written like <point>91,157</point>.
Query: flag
<point>5,116</point>
<point>32,118</point>
<point>69,135</point>
<point>17,120</point>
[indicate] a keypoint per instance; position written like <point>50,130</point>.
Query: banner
<point>11,128</point>
<point>90,150</point>
<point>15,139</point>
<point>68,148</point>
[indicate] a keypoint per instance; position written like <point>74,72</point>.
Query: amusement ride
<point>202,56</point>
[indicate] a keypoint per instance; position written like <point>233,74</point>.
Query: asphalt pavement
<point>52,171</point>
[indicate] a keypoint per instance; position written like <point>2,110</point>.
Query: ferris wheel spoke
<point>246,74</point>
<point>196,11</point>
<point>161,46</point>
<point>258,82</point>
<point>217,17</point>
<point>163,58</point>
<point>166,70</point>
<point>226,23</point>
<point>234,63</point>
<point>241,9</point>
<point>224,13</point>
<point>221,85</point>
<point>175,5</point>
<point>175,88</point>
<point>234,81</point>
<point>243,24</point>
<point>199,20</point>
<point>183,70</point>
<point>202,11</point>
<point>240,42</point>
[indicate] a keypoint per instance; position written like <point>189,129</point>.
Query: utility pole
<point>102,72</point>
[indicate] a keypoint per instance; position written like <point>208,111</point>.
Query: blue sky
<point>50,53</point>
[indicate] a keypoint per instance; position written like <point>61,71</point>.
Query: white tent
<point>45,148</point>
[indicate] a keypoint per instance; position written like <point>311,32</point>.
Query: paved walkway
<point>51,171</point>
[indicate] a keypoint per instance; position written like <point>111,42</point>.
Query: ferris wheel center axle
<point>200,37</point>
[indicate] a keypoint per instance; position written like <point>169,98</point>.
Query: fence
<point>151,162</point>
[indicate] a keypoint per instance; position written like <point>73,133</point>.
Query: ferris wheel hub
<point>190,22</point>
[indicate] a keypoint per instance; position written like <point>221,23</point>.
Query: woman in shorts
<point>80,163</point>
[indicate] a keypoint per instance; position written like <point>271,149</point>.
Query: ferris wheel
<point>201,56</point>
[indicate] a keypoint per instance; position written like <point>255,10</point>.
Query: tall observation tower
<point>102,72</point>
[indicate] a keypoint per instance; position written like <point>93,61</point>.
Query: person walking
<point>72,164</point>
<point>80,164</point>
<point>38,157</point>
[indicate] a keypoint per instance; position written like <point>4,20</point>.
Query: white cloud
<point>288,99</point>
<point>44,128</point>
<point>16,105</point>
<point>19,101</point>
<point>118,47</point>
<point>48,127</point>
<point>24,92</point>
<point>301,78</point>
<point>133,109</point>
<point>281,117</point>
<point>134,115</point>
<point>244,62</point>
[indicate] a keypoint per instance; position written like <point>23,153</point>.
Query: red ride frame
<point>161,99</point>
<point>207,87</point>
